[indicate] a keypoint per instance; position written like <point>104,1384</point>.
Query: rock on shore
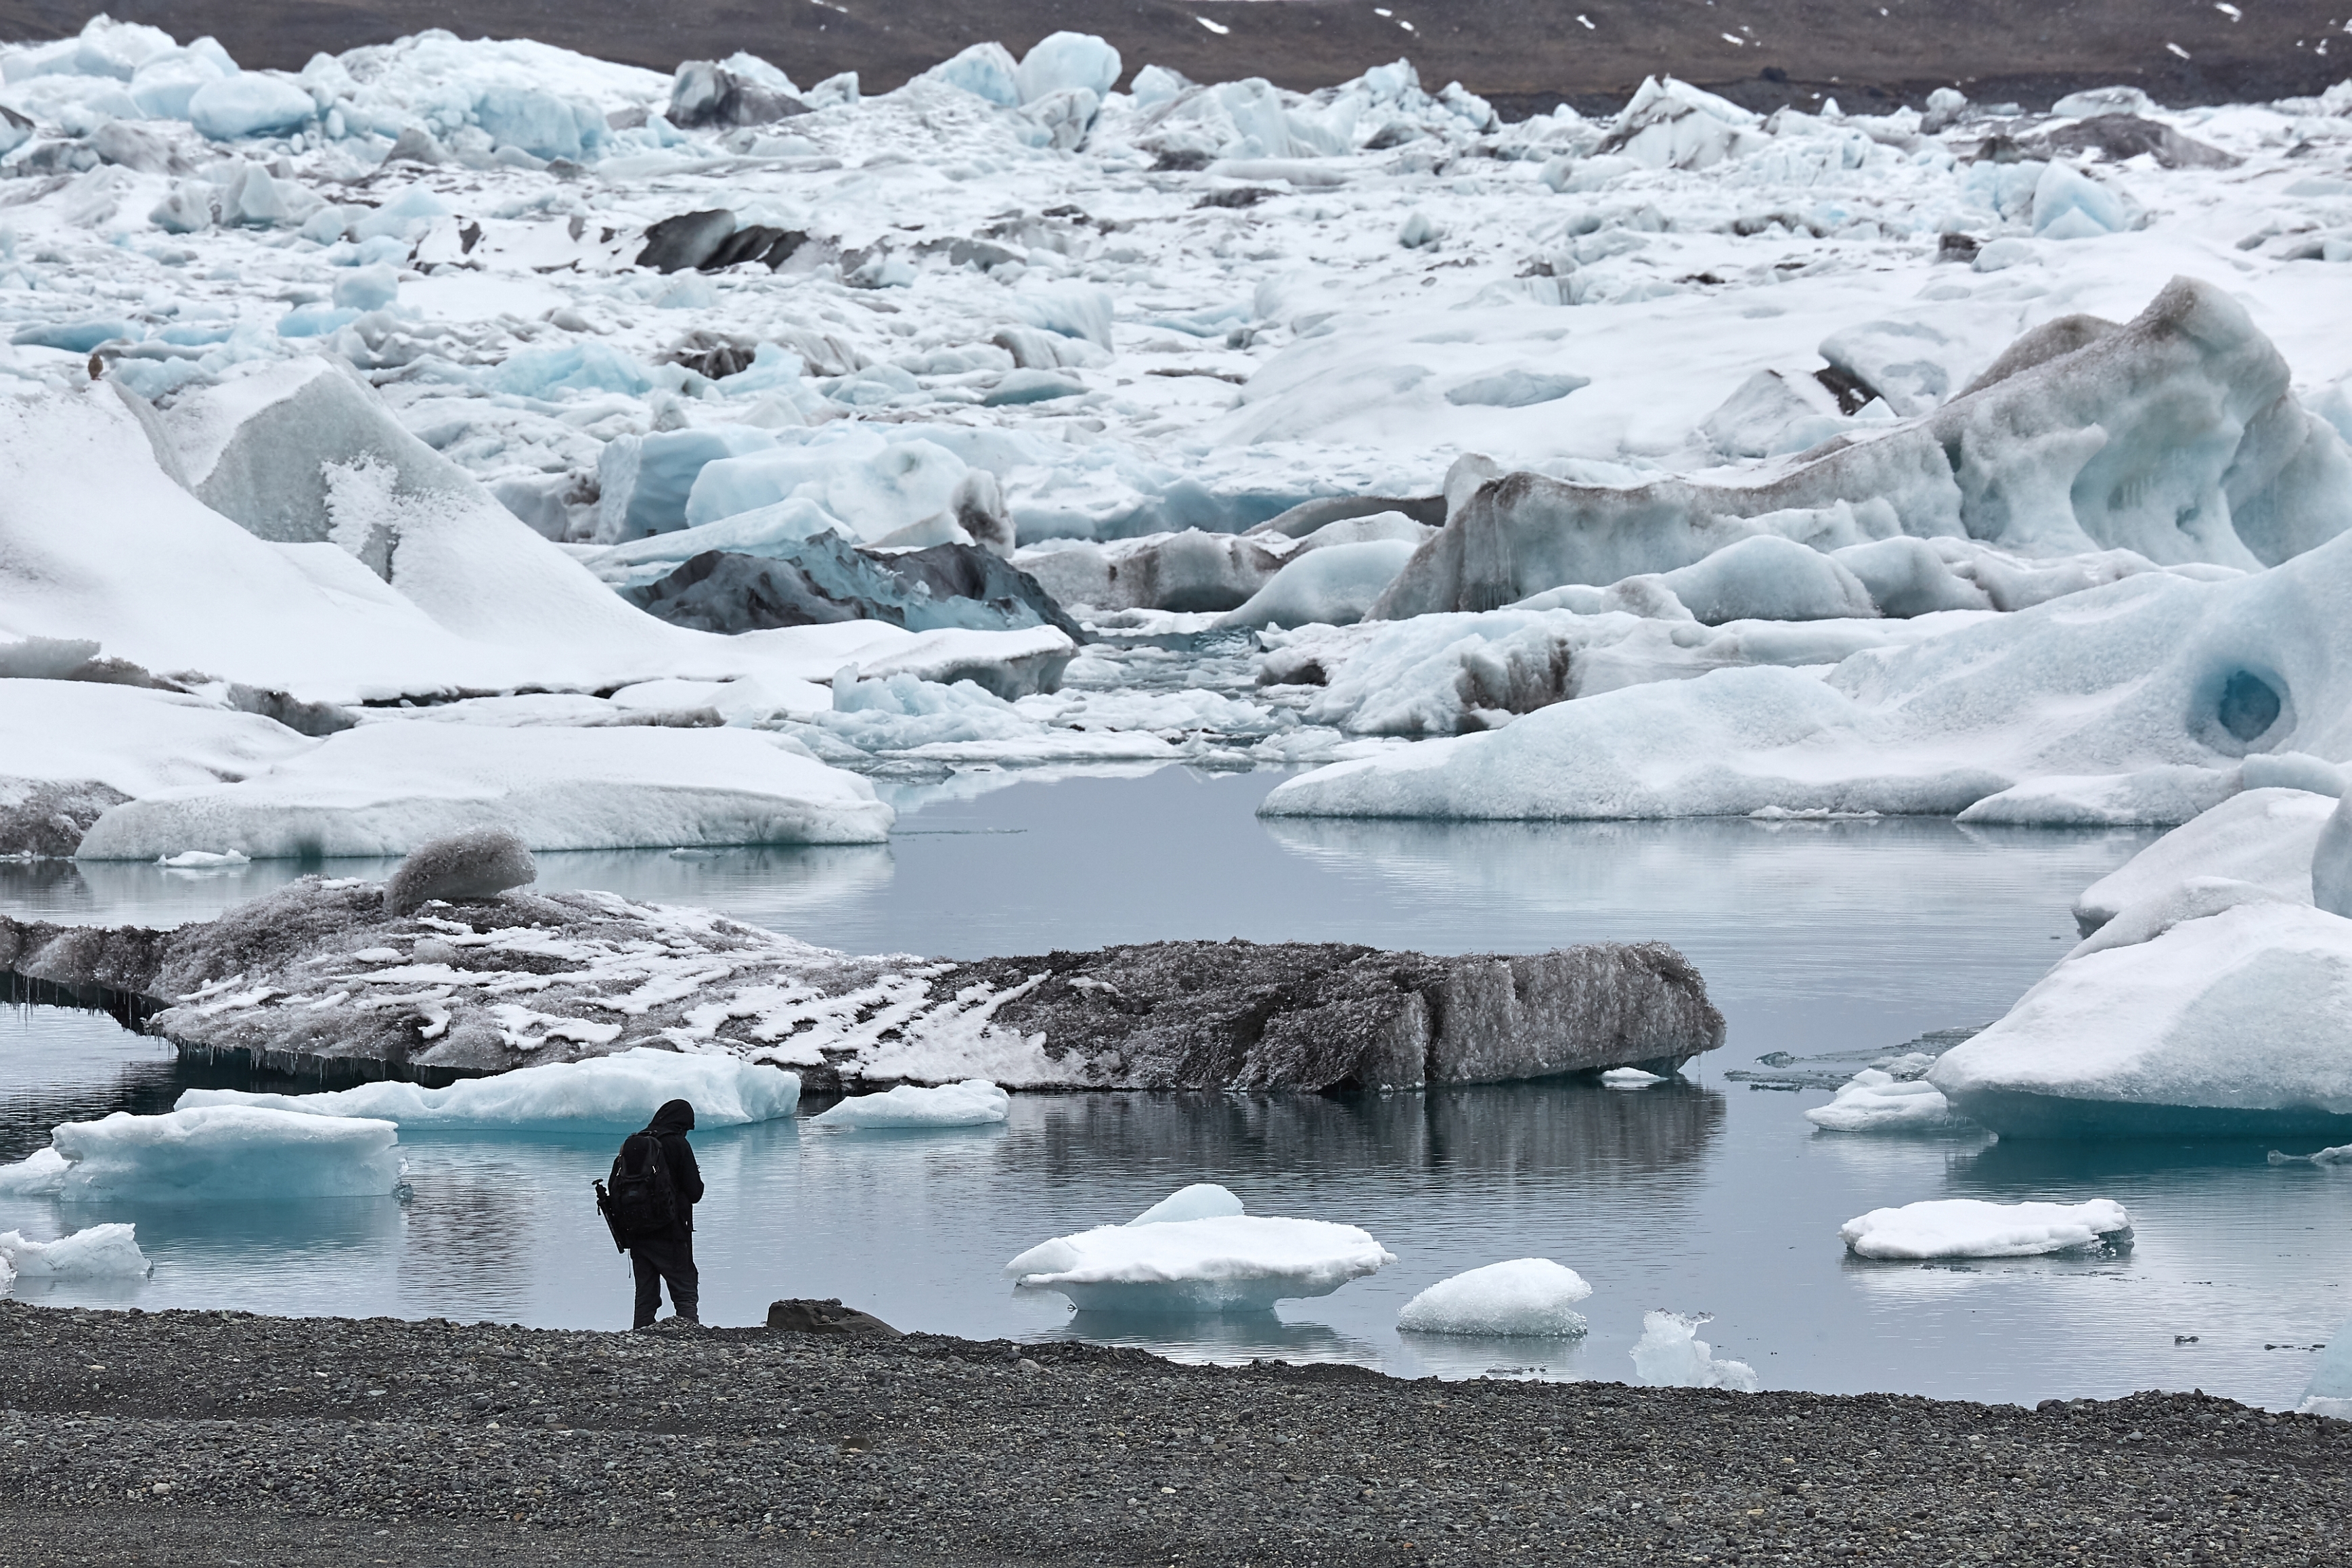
<point>317,976</point>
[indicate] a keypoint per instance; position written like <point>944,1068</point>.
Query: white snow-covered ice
<point>1201,1200</point>
<point>1874,1101</point>
<point>1530,1297</point>
<point>974,1102</point>
<point>215,1154</point>
<point>93,1252</point>
<point>1670,1355</point>
<point>622,1090</point>
<point>1975,1227</point>
<point>1221,1262</point>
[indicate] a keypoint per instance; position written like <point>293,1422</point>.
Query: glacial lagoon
<point>1836,940</point>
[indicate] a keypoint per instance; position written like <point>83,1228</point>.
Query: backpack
<point>643,1201</point>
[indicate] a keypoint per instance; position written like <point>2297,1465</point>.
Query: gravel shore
<point>216,1437</point>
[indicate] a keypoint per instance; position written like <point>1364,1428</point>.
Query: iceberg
<point>1201,1200</point>
<point>2235,1024</point>
<point>1529,1296</point>
<point>93,1252</point>
<point>42,1174</point>
<point>621,1090</point>
<point>2265,837</point>
<point>1874,1101</point>
<point>2330,1392</point>
<point>1232,1263</point>
<point>973,1102</point>
<point>1670,1355</point>
<point>385,789</point>
<point>215,1154</point>
<point>1972,1227</point>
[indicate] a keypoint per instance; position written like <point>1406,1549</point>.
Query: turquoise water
<point>1703,1196</point>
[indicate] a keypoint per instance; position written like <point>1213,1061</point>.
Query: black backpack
<point>642,1202</point>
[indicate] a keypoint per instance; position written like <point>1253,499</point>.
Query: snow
<point>1231,1264</point>
<point>973,1102</point>
<point>1874,1101</point>
<point>2265,837</point>
<point>216,1154</point>
<point>622,1090</point>
<point>1973,1227</point>
<point>1670,1355</point>
<point>93,1252</point>
<point>1529,1296</point>
<point>384,789</point>
<point>2230,1024</point>
<point>1201,1200</point>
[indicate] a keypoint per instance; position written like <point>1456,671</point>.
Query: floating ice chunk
<point>2229,1025</point>
<point>1201,1200</point>
<point>223,1153</point>
<point>385,789</point>
<point>2092,101</point>
<point>1670,1355</point>
<point>644,481</point>
<point>1630,1078</point>
<point>1529,1296</point>
<point>367,288</point>
<point>93,1252</point>
<point>2263,836</point>
<point>1333,586</point>
<point>249,104</point>
<point>1876,1102</point>
<point>973,1102</point>
<point>40,1174</point>
<point>203,860</point>
<point>2068,204</point>
<point>2339,1155</point>
<point>985,70</point>
<point>163,86</point>
<point>1063,61</point>
<point>623,1089</point>
<point>1972,1227</point>
<point>1238,1263</point>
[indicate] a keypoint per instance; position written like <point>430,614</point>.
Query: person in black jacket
<point>668,1258</point>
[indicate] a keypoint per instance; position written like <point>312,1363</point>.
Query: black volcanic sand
<point>227,1439</point>
<point>1526,54</point>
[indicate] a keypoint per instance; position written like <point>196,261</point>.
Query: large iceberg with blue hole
<point>213,1154</point>
<point>622,1090</point>
<point>1528,1298</point>
<point>1218,1263</point>
<point>1974,1227</point>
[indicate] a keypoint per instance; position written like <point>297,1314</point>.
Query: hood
<point>677,1116</point>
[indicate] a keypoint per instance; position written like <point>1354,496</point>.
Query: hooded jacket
<point>671,1123</point>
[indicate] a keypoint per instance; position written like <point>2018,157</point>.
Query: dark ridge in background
<point>1524,55</point>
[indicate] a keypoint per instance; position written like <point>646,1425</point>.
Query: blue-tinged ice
<point>1527,1297</point>
<point>249,104</point>
<point>974,1102</point>
<point>216,1154</point>
<point>622,1090</point>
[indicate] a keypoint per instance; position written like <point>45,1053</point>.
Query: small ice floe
<point>1201,1200</point>
<point>624,1089</point>
<point>1227,1262</point>
<point>973,1102</point>
<point>203,860</point>
<point>1670,1355</point>
<point>1872,1101</point>
<point>2330,1392</point>
<point>1972,1227</point>
<point>1630,1078</point>
<point>1527,1297</point>
<point>214,1153</point>
<point>2339,1155</point>
<point>93,1252</point>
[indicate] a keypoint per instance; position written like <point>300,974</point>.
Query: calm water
<point>1700,1197</point>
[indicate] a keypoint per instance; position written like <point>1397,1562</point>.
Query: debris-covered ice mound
<point>93,1252</point>
<point>973,1102</point>
<point>1670,1355</point>
<point>1529,1297</point>
<point>318,975</point>
<point>213,1154</point>
<point>1974,1227</point>
<point>622,1090</point>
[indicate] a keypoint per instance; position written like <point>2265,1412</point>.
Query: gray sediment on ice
<point>412,1442</point>
<point>318,977</point>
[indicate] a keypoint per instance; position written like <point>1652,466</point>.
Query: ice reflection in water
<point>1707,1196</point>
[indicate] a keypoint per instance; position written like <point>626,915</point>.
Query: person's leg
<point>685,1279</point>
<point>648,1274</point>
